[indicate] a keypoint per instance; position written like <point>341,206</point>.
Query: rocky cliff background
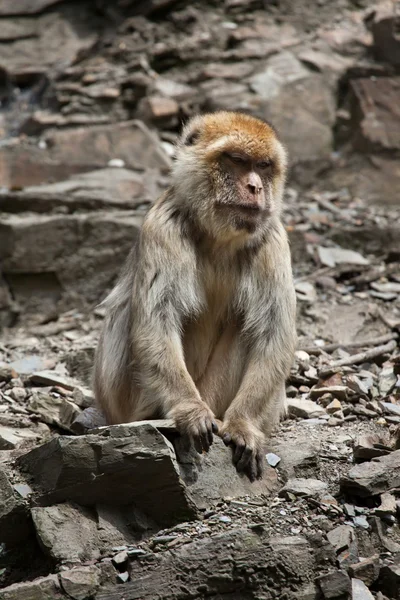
<point>92,97</point>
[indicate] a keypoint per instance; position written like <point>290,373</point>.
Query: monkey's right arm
<point>164,293</point>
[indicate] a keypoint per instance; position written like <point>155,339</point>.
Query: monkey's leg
<point>252,415</point>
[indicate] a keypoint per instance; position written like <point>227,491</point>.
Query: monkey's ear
<point>192,138</point>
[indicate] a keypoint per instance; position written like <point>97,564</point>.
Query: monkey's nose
<point>254,189</point>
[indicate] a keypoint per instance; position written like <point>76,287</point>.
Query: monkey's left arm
<point>269,333</point>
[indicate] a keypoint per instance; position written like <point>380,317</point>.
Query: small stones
<point>361,521</point>
<point>333,407</point>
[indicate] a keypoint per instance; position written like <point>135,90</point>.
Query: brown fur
<point>201,326</point>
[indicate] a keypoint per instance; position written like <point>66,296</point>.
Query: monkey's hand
<point>247,443</point>
<point>195,421</point>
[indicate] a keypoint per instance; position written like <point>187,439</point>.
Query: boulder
<point>120,466</point>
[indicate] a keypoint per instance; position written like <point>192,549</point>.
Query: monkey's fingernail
<point>227,438</point>
<point>214,427</point>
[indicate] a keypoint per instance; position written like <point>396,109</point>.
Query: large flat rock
<point>118,467</point>
<point>374,477</point>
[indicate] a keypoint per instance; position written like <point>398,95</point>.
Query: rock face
<point>120,467</point>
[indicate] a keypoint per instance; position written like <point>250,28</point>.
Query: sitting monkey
<point>200,327</point>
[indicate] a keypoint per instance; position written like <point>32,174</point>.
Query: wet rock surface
<point>91,103</point>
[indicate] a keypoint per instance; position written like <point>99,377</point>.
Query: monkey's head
<point>230,170</point>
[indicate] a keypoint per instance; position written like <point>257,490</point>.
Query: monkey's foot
<point>197,422</point>
<point>247,444</point>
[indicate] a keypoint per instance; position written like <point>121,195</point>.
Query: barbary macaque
<point>200,327</point>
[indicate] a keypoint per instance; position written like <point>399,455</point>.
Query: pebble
<point>123,577</point>
<point>273,459</point>
<point>361,522</point>
<point>225,519</point>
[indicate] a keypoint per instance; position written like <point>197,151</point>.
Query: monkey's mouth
<point>251,211</point>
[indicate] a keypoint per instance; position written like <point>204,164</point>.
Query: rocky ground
<point>92,96</point>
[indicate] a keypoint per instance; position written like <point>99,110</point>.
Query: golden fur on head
<point>228,131</point>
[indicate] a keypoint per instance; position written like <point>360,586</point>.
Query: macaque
<point>200,327</point>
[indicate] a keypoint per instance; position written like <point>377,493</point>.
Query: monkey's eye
<point>238,159</point>
<point>192,138</point>
<point>264,164</point>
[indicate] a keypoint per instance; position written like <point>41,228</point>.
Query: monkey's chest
<point>204,333</point>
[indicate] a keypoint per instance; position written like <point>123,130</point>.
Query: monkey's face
<point>231,168</point>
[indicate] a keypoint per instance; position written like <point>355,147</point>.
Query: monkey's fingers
<point>239,448</point>
<point>259,465</point>
<point>246,459</point>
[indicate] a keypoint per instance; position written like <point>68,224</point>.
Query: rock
<point>333,406</point>
<point>387,380</point>
<point>79,150</point>
<point>337,256</point>
<point>44,588</point>
<point>304,488</point>
<point>341,537</point>
<point>389,408</point>
<point>7,373</point>
<point>67,533</point>
<point>287,87</point>
<point>18,394</point>
<point>338,391</point>
<point>335,584</point>
<point>212,476</point>
<point>273,459</point>
<point>123,577</point>
<point>88,419</point>
<point>15,525</point>
<point>371,478</point>
<point>387,507</point>
<point>305,291</point>
<point>361,521</point>
<point>306,409</point>
<point>72,263</point>
<point>120,466</point>
<point>367,570</point>
<point>120,560</point>
<point>53,378</point>
<point>80,583</point>
<point>296,458</point>
<point>54,410</point>
<point>14,437</point>
<point>374,114</point>
<point>206,571</point>
<point>386,44</point>
<point>25,7</point>
<point>103,188</point>
<point>369,446</point>
<point>161,108</point>
<point>29,364</point>
<point>359,590</point>
<point>389,580</point>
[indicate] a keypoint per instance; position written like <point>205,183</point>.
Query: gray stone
<point>336,256</point>
<point>273,459</point>
<point>389,579</point>
<point>389,408</point>
<point>341,537</point>
<point>120,466</point>
<point>15,525</point>
<point>28,364</point>
<point>359,590</point>
<point>370,446</point>
<point>367,570</point>
<point>387,506</point>
<point>304,487</point>
<point>54,410</point>
<point>306,409</point>
<point>13,437</point>
<point>67,533</point>
<point>297,457</point>
<point>335,584</point>
<point>88,419</point>
<point>371,478</point>
<point>44,588</point>
<point>80,583</point>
